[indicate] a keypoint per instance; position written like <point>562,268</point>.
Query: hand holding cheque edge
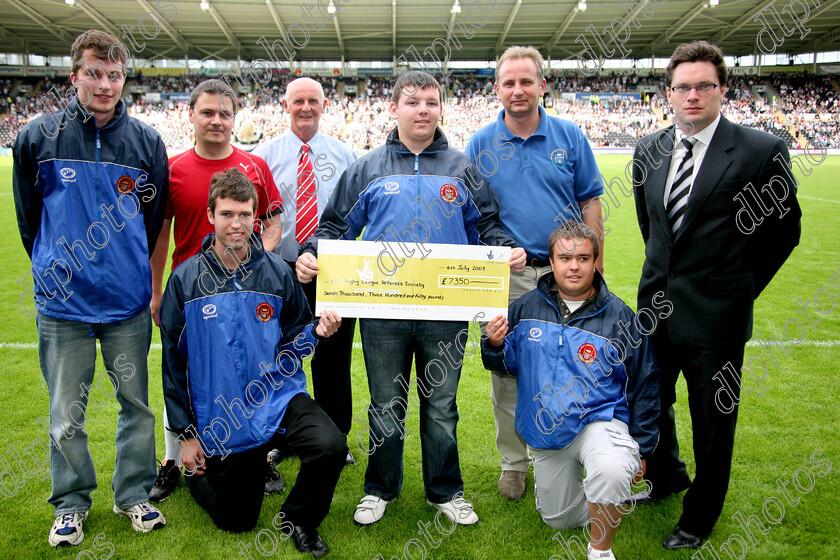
<point>496,330</point>
<point>328,323</point>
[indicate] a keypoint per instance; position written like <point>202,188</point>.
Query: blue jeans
<point>389,346</point>
<point>67,353</point>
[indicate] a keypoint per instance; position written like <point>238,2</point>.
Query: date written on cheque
<point>478,282</point>
<point>465,267</point>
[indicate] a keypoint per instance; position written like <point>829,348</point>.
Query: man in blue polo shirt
<point>543,172</point>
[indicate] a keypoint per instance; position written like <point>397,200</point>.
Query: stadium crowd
<point>811,104</point>
<point>799,108</point>
<point>605,84</point>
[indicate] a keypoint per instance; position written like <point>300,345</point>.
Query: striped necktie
<point>307,202</point>
<point>678,197</point>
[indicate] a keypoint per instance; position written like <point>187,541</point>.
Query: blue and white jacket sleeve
<point>29,201</point>
<point>484,215</point>
<point>502,358</point>
<point>343,216</point>
<point>154,194</point>
<point>175,360</point>
<point>643,395</point>
<point>299,337</point>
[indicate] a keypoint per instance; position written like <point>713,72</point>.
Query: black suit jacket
<point>714,268</point>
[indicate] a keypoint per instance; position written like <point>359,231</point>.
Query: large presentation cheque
<point>449,283</point>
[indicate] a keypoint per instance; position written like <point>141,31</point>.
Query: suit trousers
<point>713,428</point>
<point>232,489</point>
<point>331,367</point>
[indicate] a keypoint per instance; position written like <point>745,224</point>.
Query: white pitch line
<point>815,198</point>
<point>804,343</point>
<point>358,345</point>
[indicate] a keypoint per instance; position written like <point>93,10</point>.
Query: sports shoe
<point>370,510</point>
<point>458,510</point>
<point>600,554</point>
<point>512,484</point>
<point>350,460</point>
<point>144,517</point>
<point>274,483</point>
<point>167,479</point>
<point>67,529</point>
<point>277,456</point>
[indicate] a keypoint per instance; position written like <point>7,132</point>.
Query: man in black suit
<point>710,260</point>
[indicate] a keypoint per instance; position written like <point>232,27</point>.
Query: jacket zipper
<point>240,329</point>
<point>417,175</point>
<point>563,326</point>
<point>96,206</point>
<point>239,325</point>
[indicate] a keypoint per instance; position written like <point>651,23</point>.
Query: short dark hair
<point>697,51</point>
<point>573,230</point>
<point>233,184</point>
<point>213,86</point>
<point>104,46</point>
<point>412,81</point>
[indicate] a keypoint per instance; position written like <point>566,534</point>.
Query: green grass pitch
<point>778,432</point>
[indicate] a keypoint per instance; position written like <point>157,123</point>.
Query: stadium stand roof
<point>386,29</point>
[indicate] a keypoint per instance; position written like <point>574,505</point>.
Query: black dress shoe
<point>680,539</point>
<point>309,541</point>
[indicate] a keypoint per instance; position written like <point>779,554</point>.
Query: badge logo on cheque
<point>587,353</point>
<point>559,157</point>
<point>265,312</point>
<point>449,193</point>
<point>125,184</point>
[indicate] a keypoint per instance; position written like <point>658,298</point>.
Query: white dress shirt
<point>329,156</point>
<point>704,137</point>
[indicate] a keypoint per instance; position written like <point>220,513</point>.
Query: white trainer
<point>458,510</point>
<point>144,517</point>
<point>600,554</point>
<point>67,529</point>
<point>370,510</point>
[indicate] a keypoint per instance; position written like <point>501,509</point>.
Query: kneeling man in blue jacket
<point>587,397</point>
<point>234,326</point>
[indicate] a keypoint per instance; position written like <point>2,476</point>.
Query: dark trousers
<point>232,489</point>
<point>331,367</point>
<point>713,429</point>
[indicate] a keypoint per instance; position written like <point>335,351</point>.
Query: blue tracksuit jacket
<point>90,203</point>
<point>232,345</point>
<point>570,375</point>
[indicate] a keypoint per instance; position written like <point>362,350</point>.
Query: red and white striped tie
<point>307,202</point>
